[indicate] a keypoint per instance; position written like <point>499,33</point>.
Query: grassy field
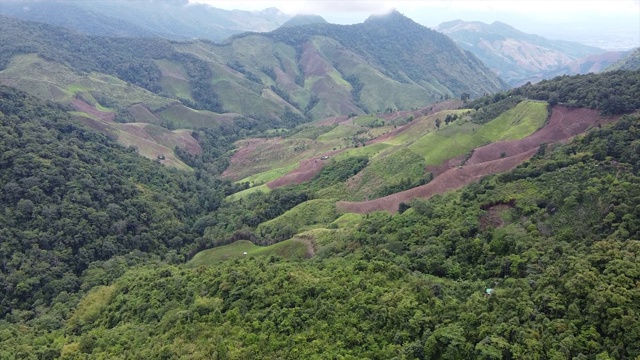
<point>265,177</point>
<point>304,216</point>
<point>348,220</point>
<point>369,150</point>
<point>244,193</point>
<point>184,117</point>
<point>52,81</point>
<point>288,249</point>
<point>399,165</point>
<point>462,136</point>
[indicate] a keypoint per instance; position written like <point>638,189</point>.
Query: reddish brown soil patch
<point>86,108</point>
<point>313,64</point>
<point>332,120</point>
<point>450,180</point>
<point>490,159</point>
<point>563,125</point>
<point>246,155</point>
<point>183,139</point>
<point>437,170</point>
<point>307,170</point>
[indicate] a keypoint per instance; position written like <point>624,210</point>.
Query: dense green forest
<point>540,262</point>
<point>614,92</point>
<point>71,197</point>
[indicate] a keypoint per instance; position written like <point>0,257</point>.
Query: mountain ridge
<point>516,56</point>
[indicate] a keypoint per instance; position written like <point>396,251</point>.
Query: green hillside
<point>107,255</point>
<point>541,261</point>
<point>322,70</point>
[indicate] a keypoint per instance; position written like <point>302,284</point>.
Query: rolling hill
<point>519,57</point>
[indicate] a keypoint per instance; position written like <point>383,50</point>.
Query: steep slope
<point>405,51</point>
<point>171,19</point>
<point>72,197</point>
<point>515,56</point>
<point>590,64</point>
<point>292,74</point>
<point>629,62</point>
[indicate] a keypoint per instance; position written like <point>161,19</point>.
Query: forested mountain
<point>629,62</point>
<point>311,71</point>
<point>510,224</point>
<point>304,20</point>
<point>538,262</point>
<point>519,57</point>
<point>170,19</point>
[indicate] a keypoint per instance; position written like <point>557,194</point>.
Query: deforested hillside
<point>629,62</point>
<point>312,71</point>
<point>519,57</point>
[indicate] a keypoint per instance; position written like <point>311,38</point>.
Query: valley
<point>288,188</point>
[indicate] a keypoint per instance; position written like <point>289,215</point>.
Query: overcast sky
<point>611,24</point>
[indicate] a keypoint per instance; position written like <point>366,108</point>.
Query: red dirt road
<point>564,124</point>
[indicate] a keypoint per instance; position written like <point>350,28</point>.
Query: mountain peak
<point>300,20</point>
<point>393,15</point>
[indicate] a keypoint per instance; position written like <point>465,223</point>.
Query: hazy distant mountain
<point>172,19</point>
<point>516,56</point>
<point>629,62</point>
<point>314,71</point>
<point>590,64</point>
<point>299,20</point>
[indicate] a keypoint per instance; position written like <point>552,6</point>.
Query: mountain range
<point>519,57</point>
<point>314,191</point>
<point>170,19</point>
<point>316,70</point>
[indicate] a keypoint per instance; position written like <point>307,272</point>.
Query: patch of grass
<point>288,249</point>
<point>401,166</point>
<point>307,215</point>
<point>348,220</point>
<point>369,121</point>
<point>184,117</point>
<point>369,150</point>
<point>461,137</point>
<point>244,193</point>
<point>517,122</point>
<point>339,132</point>
<point>265,177</point>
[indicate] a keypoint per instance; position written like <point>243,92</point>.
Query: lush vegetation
<point>72,198</point>
<point>405,51</point>
<point>555,240</point>
<point>614,92</point>
<point>100,249</point>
